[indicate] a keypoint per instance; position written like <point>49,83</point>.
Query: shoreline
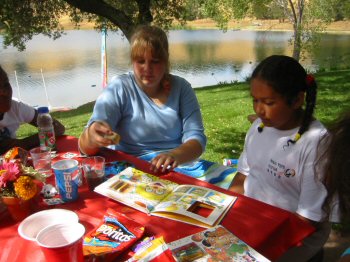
<point>338,27</point>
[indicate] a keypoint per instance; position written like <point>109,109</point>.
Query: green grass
<point>225,109</point>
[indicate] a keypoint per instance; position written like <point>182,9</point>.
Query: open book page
<point>215,244</point>
<point>136,188</point>
<point>195,205</point>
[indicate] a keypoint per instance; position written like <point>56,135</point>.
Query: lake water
<point>67,72</point>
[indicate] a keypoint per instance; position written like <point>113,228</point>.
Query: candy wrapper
<point>115,234</point>
<point>154,250</point>
<point>17,154</point>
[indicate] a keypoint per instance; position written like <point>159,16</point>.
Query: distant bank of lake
<point>70,67</point>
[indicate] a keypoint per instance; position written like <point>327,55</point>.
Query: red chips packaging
<point>116,233</point>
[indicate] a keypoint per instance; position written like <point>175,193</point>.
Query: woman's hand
<point>97,132</point>
<point>164,162</point>
<point>93,138</point>
<point>187,152</point>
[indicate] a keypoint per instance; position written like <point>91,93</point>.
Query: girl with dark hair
<point>334,156</point>
<point>276,165</point>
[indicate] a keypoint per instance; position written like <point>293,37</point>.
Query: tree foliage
<point>307,17</point>
<point>22,19</point>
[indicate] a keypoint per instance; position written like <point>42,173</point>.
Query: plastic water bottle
<point>45,128</point>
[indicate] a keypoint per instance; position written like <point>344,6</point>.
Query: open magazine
<point>215,244</point>
<point>150,194</point>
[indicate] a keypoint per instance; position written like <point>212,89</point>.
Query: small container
<point>229,162</point>
<point>45,128</point>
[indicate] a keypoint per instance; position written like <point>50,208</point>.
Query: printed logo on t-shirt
<point>278,170</point>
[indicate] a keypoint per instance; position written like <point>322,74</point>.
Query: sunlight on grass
<point>225,109</point>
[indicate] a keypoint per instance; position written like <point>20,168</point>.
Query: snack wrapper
<point>17,154</point>
<point>155,250</point>
<point>115,234</point>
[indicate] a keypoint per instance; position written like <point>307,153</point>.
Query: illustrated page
<point>197,203</point>
<point>215,244</point>
<point>137,189</point>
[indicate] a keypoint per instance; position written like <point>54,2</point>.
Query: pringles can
<point>67,174</point>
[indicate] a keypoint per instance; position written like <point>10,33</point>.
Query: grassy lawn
<point>225,109</point>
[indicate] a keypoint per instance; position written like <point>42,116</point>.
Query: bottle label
<point>47,139</point>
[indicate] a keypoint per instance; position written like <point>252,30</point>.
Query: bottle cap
<point>43,110</point>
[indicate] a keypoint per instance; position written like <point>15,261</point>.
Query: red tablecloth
<point>269,230</point>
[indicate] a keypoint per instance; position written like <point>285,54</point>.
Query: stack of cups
<point>62,242</point>
<point>57,232</point>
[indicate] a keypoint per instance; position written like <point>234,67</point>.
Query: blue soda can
<point>229,162</point>
<point>67,176</point>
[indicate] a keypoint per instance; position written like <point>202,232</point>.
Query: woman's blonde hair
<point>152,39</point>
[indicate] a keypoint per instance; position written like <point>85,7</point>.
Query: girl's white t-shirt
<point>283,175</point>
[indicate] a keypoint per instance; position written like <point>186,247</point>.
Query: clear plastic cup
<point>94,171</point>
<point>42,160</point>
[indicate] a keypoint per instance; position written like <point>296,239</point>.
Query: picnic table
<point>268,229</point>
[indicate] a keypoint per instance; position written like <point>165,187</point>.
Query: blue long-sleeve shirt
<point>145,127</point>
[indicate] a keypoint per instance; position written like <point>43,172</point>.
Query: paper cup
<point>67,176</point>
<point>62,242</point>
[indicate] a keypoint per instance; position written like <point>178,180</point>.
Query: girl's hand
<point>164,162</point>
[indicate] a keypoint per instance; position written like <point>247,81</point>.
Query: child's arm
<point>237,183</point>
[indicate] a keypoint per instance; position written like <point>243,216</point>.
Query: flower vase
<point>19,209</point>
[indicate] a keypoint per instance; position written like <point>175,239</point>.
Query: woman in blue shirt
<point>151,110</point>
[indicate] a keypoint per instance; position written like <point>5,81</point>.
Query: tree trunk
<point>297,44</point>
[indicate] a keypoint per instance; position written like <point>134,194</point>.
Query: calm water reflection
<point>71,64</point>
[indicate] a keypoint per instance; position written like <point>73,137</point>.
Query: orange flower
<point>25,187</point>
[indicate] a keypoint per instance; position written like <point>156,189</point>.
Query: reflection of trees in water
<point>332,53</point>
<point>267,43</point>
<point>201,53</point>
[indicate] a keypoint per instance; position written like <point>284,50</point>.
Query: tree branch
<point>145,16</point>
<point>101,8</point>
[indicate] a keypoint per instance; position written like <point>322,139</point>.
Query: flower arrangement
<point>18,180</point>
